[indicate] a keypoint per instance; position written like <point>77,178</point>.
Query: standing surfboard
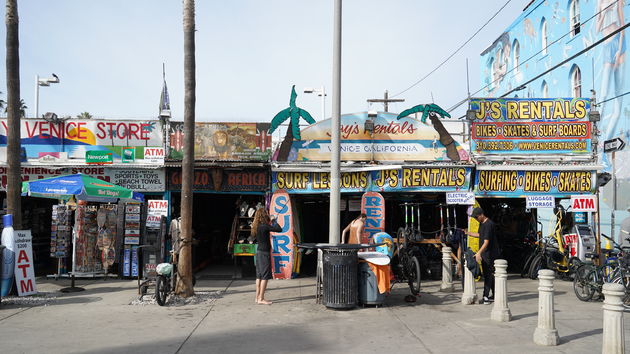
<point>372,205</point>
<point>282,245</point>
<point>473,226</point>
<point>8,256</point>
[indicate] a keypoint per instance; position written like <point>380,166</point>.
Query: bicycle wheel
<point>624,279</point>
<point>528,262</point>
<point>161,290</point>
<point>413,273</point>
<point>400,237</point>
<point>537,264</point>
<point>581,285</point>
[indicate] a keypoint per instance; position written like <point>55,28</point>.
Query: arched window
<point>574,16</point>
<point>491,70</point>
<point>544,88</point>
<point>576,81</point>
<point>517,53</point>
<point>543,36</point>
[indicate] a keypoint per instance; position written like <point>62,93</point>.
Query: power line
<point>452,54</point>
<point>530,58</point>
<point>610,99</point>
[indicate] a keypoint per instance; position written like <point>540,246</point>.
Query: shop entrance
<point>213,218</point>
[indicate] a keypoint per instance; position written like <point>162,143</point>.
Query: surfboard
<point>372,205</point>
<point>473,226</point>
<point>374,258</point>
<point>8,255</point>
<point>283,253</point>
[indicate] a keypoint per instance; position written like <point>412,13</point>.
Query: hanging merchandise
<point>131,237</point>
<point>61,231</point>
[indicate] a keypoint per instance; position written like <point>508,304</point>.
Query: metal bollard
<point>613,341</point>
<point>546,333</point>
<point>447,275</point>
<point>470,291</point>
<point>500,311</point>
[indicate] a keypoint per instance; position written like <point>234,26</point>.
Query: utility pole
<point>184,281</point>
<point>385,100</point>
<point>14,180</point>
<point>334,234</point>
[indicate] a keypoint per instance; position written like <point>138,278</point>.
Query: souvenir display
<point>132,237</point>
<point>61,231</point>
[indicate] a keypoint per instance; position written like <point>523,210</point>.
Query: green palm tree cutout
<point>294,112</point>
<point>434,111</point>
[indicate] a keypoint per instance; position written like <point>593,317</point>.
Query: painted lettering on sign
<point>517,183</point>
<point>24,271</point>
<point>282,247</point>
<point>583,203</point>
<point>373,206</point>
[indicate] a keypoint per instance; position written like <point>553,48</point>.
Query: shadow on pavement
<point>592,332</point>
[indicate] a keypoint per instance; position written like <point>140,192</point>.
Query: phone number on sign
<point>495,145</point>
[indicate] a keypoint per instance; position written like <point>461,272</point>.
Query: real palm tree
<point>434,112</point>
<point>84,115</point>
<point>23,108</point>
<point>184,285</point>
<point>14,167</point>
<point>293,131</point>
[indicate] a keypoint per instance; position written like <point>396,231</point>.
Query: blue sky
<point>109,54</point>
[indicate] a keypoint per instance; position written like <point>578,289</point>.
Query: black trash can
<point>340,277</point>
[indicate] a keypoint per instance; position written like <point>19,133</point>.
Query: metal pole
<point>335,197</point>
<point>323,103</point>
<point>36,96</point>
<point>612,211</point>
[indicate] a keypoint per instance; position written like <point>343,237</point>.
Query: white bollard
<point>447,275</point>
<point>470,288</point>
<point>613,342</point>
<point>500,311</point>
<point>546,333</point>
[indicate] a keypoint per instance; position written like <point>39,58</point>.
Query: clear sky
<point>109,54</point>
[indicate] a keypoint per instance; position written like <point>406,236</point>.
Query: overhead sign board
<point>530,126</point>
<point>517,184</point>
<point>615,144</point>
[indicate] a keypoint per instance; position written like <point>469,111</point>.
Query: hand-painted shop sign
<point>530,126</point>
<point>391,139</point>
<point>218,179</point>
<point>140,180</point>
<point>283,252</point>
<point>507,183</point>
<point>98,157</point>
<point>409,179</point>
<point>76,136</point>
<point>223,141</point>
<point>373,206</point>
<point>540,201</point>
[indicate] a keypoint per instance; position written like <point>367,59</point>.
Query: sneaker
<point>487,301</point>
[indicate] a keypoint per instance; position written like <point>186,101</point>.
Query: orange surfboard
<point>282,247</point>
<point>372,205</point>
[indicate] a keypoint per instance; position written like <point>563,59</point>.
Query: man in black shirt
<point>488,252</point>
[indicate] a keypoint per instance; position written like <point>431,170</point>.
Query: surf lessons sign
<point>283,254</point>
<point>410,179</point>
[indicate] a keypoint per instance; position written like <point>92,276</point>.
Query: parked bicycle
<point>166,281</point>
<point>407,269</point>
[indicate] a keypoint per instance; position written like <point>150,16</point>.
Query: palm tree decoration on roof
<point>294,112</point>
<point>434,112</point>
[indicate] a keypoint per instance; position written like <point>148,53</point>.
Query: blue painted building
<point>570,48</point>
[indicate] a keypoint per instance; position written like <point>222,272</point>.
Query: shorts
<point>263,265</point>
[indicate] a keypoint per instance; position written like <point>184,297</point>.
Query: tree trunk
<point>14,180</point>
<point>445,138</point>
<point>184,281</point>
<point>285,146</point>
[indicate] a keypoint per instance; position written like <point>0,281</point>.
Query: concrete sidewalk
<point>100,320</point>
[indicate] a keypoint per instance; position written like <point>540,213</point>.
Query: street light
<point>42,82</point>
<point>321,93</point>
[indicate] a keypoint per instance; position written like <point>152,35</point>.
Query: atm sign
<point>583,203</point>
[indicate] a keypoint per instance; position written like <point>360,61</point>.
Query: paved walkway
<point>101,320</point>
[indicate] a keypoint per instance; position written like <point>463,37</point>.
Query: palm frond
<point>410,111</point>
<point>307,116</point>
<point>279,119</point>
<point>437,109</point>
<point>293,97</point>
<point>295,123</point>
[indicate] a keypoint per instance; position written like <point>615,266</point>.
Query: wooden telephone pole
<point>385,100</point>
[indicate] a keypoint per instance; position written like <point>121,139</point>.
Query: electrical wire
<point>452,54</point>
<point>610,99</point>
<point>528,59</point>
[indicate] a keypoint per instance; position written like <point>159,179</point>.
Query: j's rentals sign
<point>530,126</point>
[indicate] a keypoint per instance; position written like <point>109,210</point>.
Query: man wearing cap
<point>624,233</point>
<point>488,252</point>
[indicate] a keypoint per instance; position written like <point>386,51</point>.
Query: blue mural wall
<point>568,27</point>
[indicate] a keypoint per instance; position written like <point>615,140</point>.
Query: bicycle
<point>166,281</point>
<point>407,269</point>
<point>589,278</point>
